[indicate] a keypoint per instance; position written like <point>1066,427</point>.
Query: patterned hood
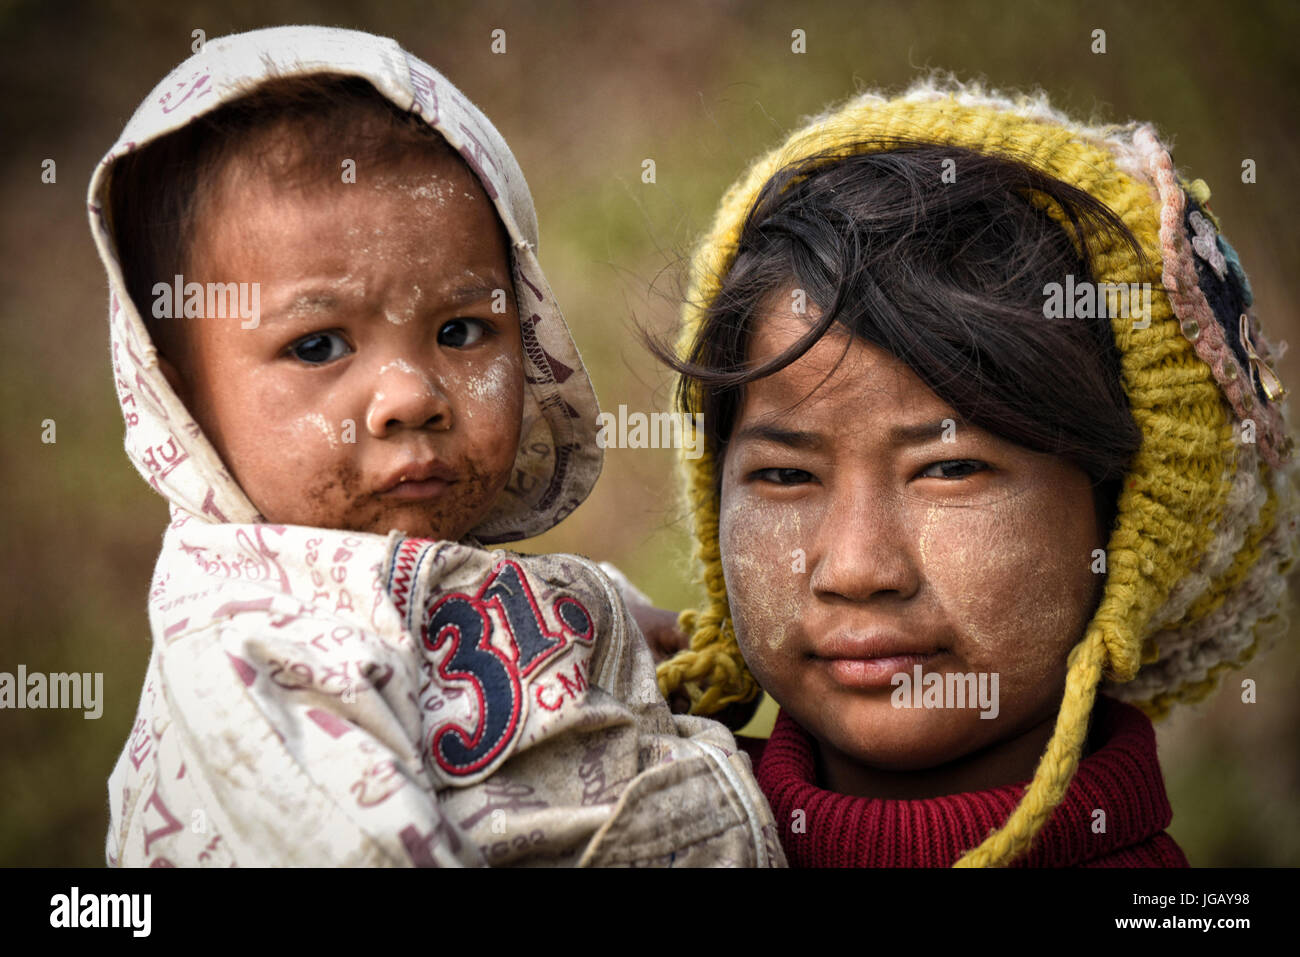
<point>558,459</point>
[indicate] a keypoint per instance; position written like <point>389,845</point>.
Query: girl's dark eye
<point>320,347</point>
<point>459,333</point>
<point>954,469</point>
<point>783,476</point>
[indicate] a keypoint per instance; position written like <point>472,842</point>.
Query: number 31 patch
<point>461,628</point>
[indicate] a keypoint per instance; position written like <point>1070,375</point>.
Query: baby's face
<point>858,544</point>
<point>377,356</point>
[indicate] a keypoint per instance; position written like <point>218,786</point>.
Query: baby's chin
<point>411,523</point>
<point>376,517</point>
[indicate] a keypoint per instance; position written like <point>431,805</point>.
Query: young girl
<point>990,426</point>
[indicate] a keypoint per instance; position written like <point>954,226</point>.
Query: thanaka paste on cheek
<point>494,383</point>
<point>760,556</point>
<point>314,421</point>
<point>1012,584</point>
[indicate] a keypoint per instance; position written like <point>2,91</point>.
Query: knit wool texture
<point>1206,524</point>
<point>1122,776</point>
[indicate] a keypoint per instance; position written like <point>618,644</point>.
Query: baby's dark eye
<point>954,469</point>
<point>783,476</point>
<point>459,333</point>
<point>320,347</point>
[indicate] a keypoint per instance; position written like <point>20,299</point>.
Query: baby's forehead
<point>417,210</point>
<point>281,158</point>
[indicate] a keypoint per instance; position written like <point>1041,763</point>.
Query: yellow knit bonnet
<point>1206,524</point>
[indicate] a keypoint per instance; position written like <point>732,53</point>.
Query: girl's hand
<point>665,639</point>
<point>659,625</point>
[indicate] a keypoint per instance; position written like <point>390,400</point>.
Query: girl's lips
<point>872,672</point>
<point>870,657</point>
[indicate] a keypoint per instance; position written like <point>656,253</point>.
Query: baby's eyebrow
<point>326,299</point>
<point>313,302</point>
<point>316,300</point>
<point>461,295</point>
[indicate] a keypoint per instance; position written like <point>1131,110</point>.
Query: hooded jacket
<point>325,697</point>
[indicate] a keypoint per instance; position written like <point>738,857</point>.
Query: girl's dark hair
<point>945,272</point>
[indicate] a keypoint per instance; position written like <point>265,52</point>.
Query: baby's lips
<point>428,470</point>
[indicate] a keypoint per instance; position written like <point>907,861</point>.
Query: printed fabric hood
<point>1206,526</point>
<point>558,459</point>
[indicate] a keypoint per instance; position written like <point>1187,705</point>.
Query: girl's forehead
<point>839,373</point>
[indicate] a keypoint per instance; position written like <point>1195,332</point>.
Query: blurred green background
<point>584,93</point>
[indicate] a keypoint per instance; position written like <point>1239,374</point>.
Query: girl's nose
<point>406,397</point>
<point>862,548</point>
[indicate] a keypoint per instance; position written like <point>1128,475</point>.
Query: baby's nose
<point>406,397</point>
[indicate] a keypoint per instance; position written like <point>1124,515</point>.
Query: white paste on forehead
<point>435,191</point>
<point>429,187</point>
<point>353,284</point>
<point>405,315</point>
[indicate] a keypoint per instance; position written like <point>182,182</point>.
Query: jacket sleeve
<point>285,746</point>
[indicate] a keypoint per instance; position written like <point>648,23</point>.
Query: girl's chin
<point>895,739</point>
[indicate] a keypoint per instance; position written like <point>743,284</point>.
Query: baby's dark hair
<point>946,273</point>
<point>157,193</point>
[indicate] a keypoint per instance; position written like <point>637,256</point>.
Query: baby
<point>338,359</point>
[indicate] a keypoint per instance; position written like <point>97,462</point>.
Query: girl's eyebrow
<point>921,432</point>
<point>794,438</point>
<point>814,441</point>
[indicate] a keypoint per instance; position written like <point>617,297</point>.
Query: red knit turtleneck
<point>1121,777</point>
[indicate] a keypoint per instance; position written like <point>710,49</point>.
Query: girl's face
<point>866,530</point>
